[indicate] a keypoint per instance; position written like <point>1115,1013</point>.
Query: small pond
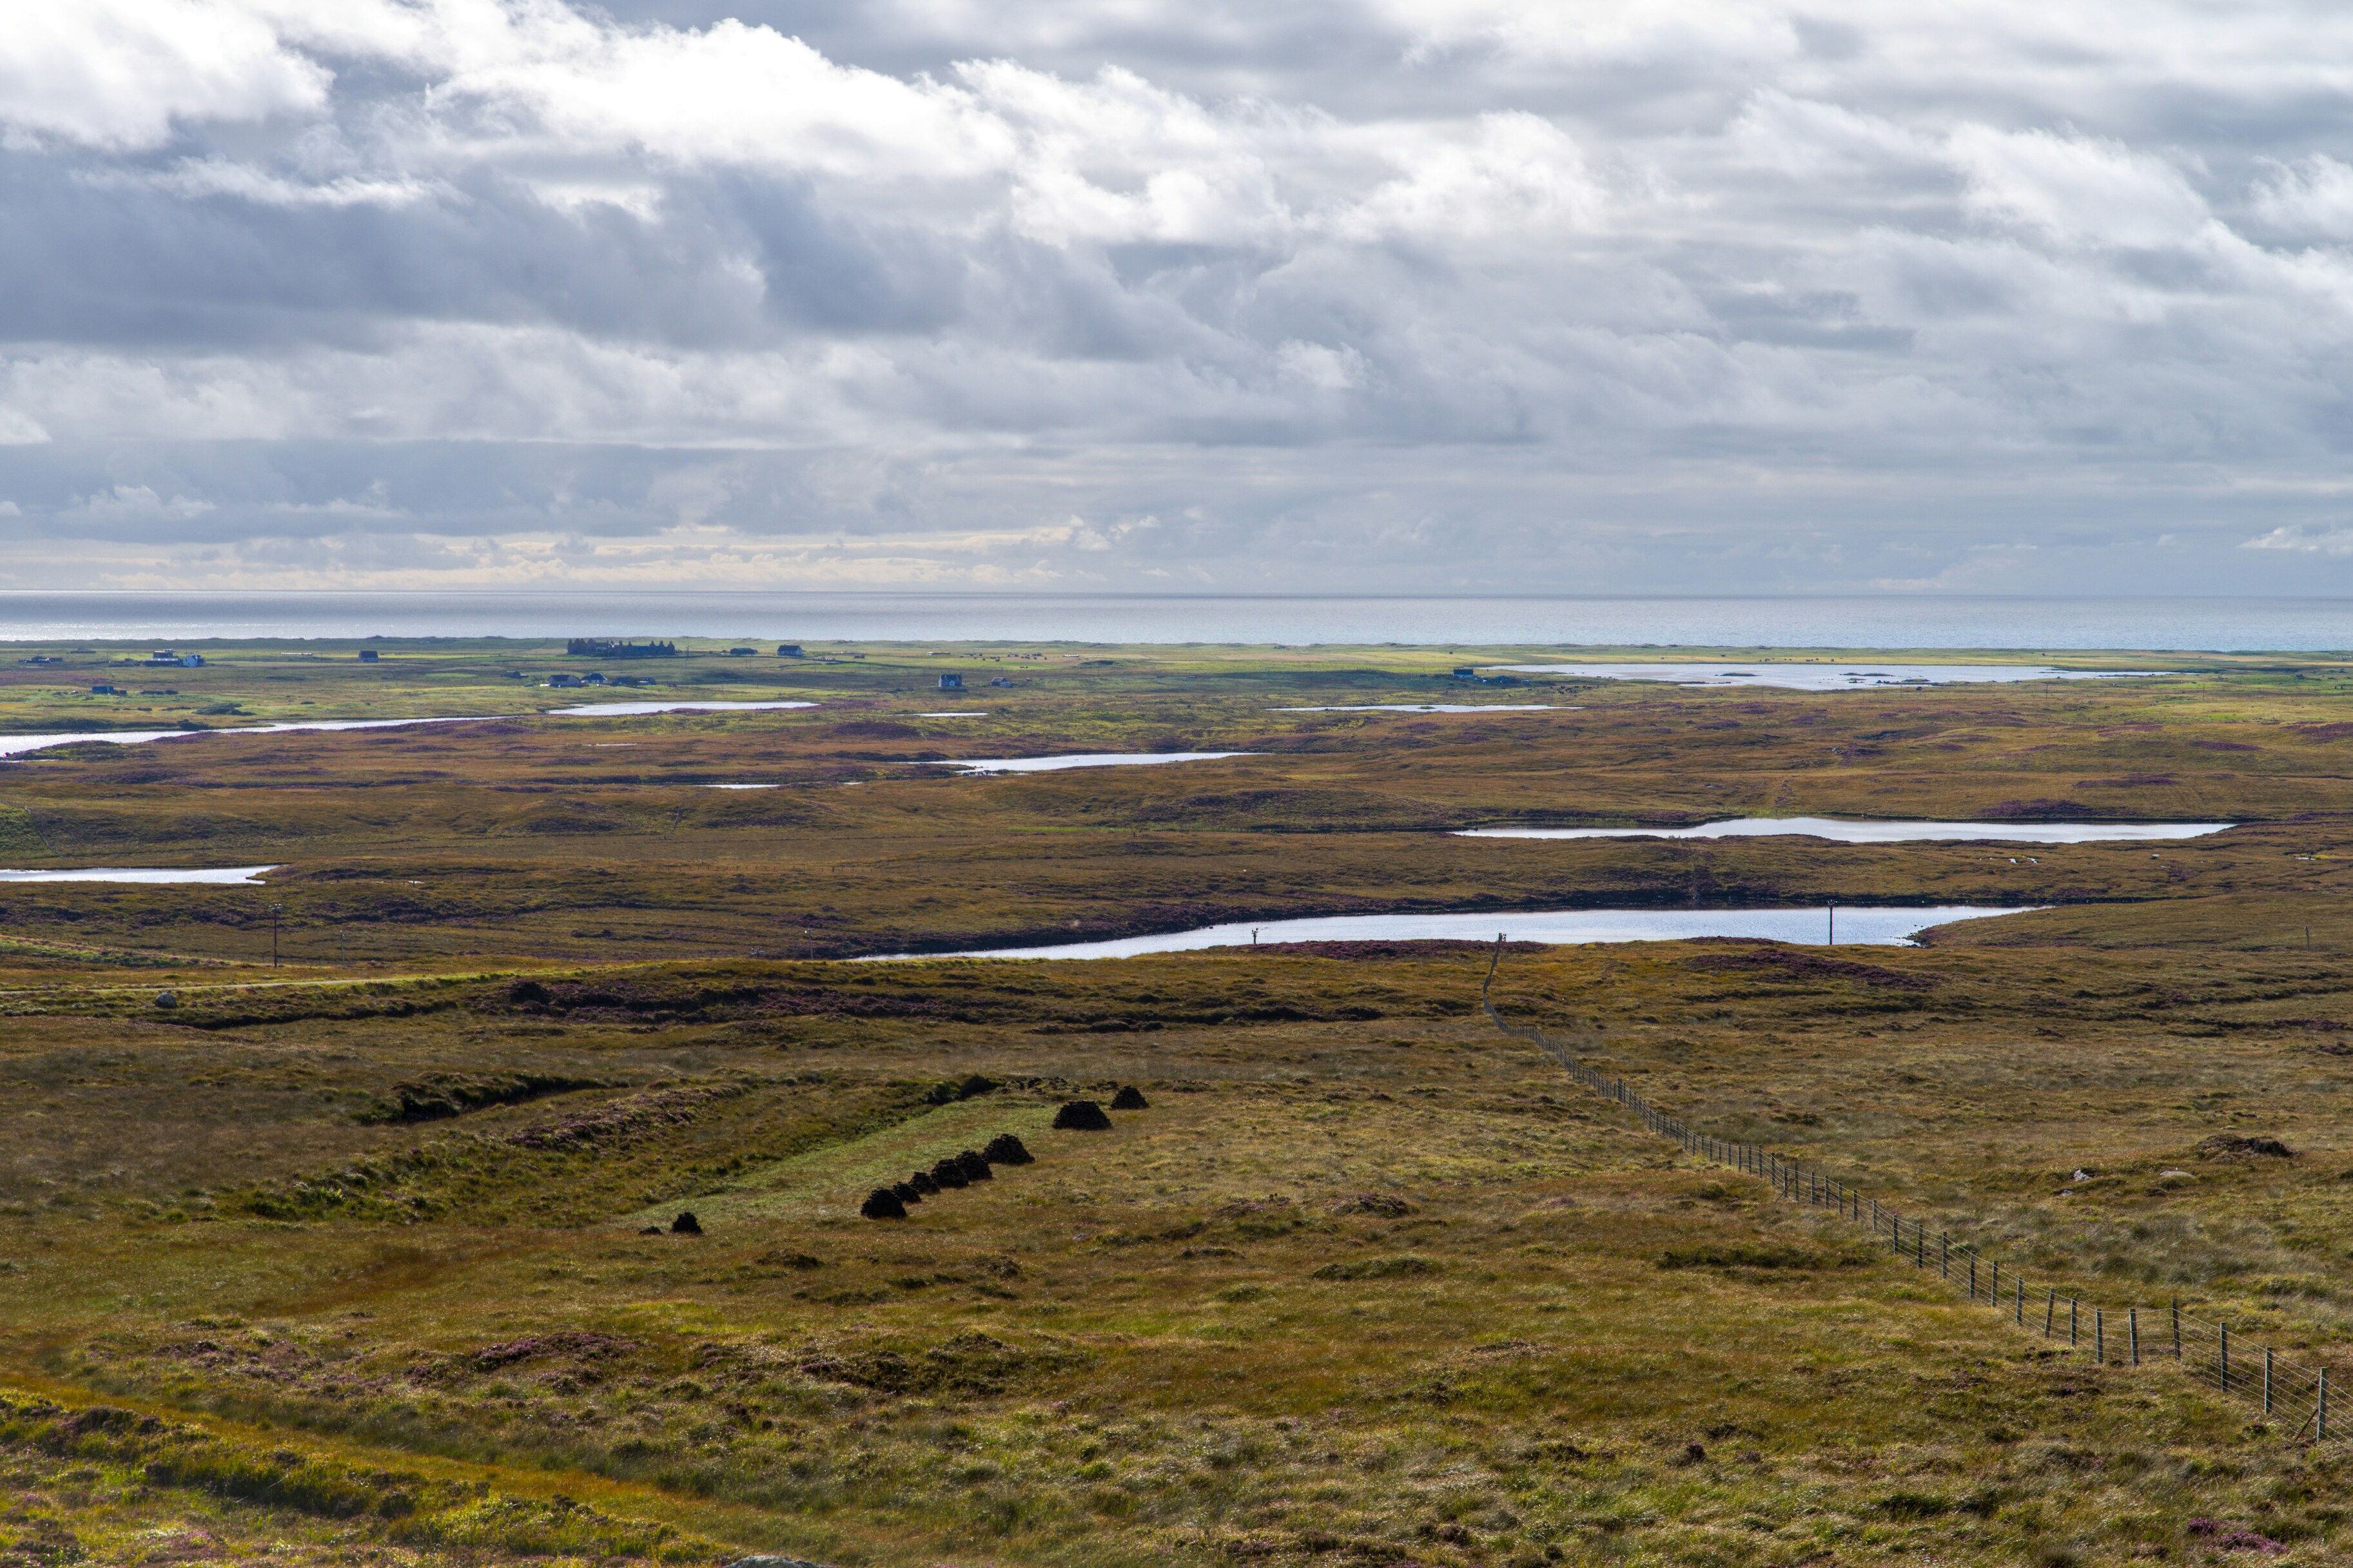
<point>1884,832</point>
<point>214,877</point>
<point>629,710</point>
<point>1824,676</point>
<point>1082,759</point>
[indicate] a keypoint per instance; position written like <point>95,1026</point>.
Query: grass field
<point>367,1258</point>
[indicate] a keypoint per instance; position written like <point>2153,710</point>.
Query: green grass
<point>1368,1283</point>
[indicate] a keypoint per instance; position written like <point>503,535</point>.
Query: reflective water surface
<point>1884,832</point>
<point>1814,927</point>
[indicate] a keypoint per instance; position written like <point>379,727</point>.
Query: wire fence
<point>2121,1336</point>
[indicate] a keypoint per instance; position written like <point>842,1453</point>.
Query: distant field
<point>345,1260</point>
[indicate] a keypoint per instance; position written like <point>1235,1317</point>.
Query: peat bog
<point>377,1255</point>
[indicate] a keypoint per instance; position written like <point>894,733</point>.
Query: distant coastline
<point>1849,622</point>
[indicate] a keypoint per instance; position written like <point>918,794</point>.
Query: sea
<point>2031,625</point>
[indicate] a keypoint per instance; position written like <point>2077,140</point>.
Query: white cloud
<point>137,503</point>
<point>2308,539</point>
<point>1102,259</point>
<point>118,73</point>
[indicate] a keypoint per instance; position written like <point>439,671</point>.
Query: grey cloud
<point>1368,295</point>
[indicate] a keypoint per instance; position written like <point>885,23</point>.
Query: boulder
<point>1130,1097</point>
<point>1081,1116</point>
<point>882,1204</point>
<point>1007,1149</point>
<point>686,1224</point>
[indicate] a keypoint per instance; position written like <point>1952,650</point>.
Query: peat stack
<point>973,1167</point>
<point>686,1224</point>
<point>882,1204</point>
<point>906,1193</point>
<point>1130,1097</point>
<point>1081,1116</point>
<point>1007,1149</point>
<point>949,1173</point>
<point>922,1181</point>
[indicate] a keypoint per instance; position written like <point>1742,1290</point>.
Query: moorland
<point>368,1254</point>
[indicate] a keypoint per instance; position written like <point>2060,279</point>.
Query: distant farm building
<point>565,680</point>
<point>367,656</point>
<point>951,683</point>
<point>104,691</point>
<point>788,651</point>
<point>742,652</point>
<point>613,647</point>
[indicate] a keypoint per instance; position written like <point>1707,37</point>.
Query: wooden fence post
<point>2132,1323</point>
<point>2073,1303</point>
<point>2177,1328</point>
<point>2226,1357</point>
<point>2267,1380</point>
<point>2050,1307</point>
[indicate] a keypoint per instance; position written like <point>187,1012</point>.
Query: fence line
<point>2155,1334</point>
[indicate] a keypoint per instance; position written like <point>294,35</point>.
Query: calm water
<point>14,745</point>
<point>632,709</point>
<point>1082,759</point>
<point>1825,677</point>
<point>217,877</point>
<point>1886,621</point>
<point>1856,927</point>
<point>1884,832</point>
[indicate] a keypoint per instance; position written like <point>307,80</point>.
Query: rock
<point>1130,1097</point>
<point>1007,1149</point>
<point>166,999</point>
<point>686,1224</point>
<point>949,1173</point>
<point>973,1167</point>
<point>1081,1116</point>
<point>907,1193</point>
<point>974,1087</point>
<point>922,1181</point>
<point>882,1204</point>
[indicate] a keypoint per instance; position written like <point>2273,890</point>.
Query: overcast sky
<point>1570,295</point>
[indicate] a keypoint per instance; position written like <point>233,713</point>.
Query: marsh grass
<point>1366,1283</point>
